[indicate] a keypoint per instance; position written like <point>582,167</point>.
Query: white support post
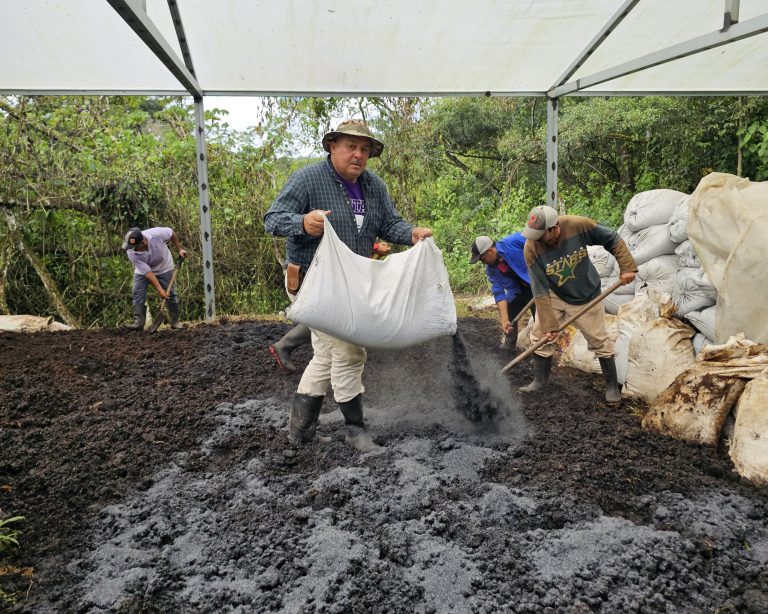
<point>552,152</point>
<point>205,210</point>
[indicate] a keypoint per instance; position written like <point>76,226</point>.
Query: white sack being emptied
<point>394,303</point>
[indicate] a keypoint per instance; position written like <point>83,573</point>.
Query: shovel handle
<point>173,277</point>
<point>160,318</point>
<point>522,311</point>
<point>563,326</point>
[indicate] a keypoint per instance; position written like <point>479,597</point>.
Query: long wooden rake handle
<point>567,323</point>
<point>522,311</point>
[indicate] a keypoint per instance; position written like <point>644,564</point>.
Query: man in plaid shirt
<point>357,204</point>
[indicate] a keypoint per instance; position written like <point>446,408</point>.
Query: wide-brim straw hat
<point>353,127</point>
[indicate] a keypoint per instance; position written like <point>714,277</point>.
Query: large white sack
<point>697,405</point>
<point>624,232</point>
<point>749,447</point>
<point>643,307</point>
<point>700,341</point>
<point>649,243</point>
<point>692,290</point>
<point>524,336</point>
<point>602,259</point>
<point>703,320</point>
<point>30,324</point>
<point>651,208</point>
<point>727,224</point>
<point>613,279</point>
<point>678,223</point>
<point>613,302</point>
<point>659,273</point>
<point>627,290</point>
<point>394,303</point>
<point>687,254</point>
<point>659,351</point>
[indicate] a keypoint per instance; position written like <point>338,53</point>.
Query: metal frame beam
<point>206,234</point>
<point>181,35</point>
<point>138,20</point>
<point>736,32</point>
<point>598,39</point>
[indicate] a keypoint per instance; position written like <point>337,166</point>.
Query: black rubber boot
<point>299,335</point>
<point>139,317</point>
<point>173,315</point>
<point>509,340</point>
<point>302,425</point>
<point>542,366</point>
<point>612,390</point>
<point>357,435</point>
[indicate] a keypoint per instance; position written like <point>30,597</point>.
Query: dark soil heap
<point>155,476</point>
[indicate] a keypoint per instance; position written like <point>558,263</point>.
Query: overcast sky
<point>242,109</point>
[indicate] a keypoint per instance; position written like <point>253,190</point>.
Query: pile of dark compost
<point>154,475</point>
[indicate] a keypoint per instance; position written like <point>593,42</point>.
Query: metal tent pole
<point>205,210</point>
<point>552,152</point>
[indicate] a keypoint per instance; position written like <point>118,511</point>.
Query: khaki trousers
<point>591,324</point>
<point>337,363</point>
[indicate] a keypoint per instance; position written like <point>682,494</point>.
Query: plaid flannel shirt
<point>317,187</point>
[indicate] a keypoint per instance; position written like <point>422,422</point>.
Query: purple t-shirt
<point>157,258</point>
<point>355,194</point>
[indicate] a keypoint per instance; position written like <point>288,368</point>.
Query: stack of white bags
<point>673,309</point>
<point>655,231</point>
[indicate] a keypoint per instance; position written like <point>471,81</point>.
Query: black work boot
<point>612,390</point>
<point>509,340</point>
<point>542,366</point>
<point>357,435</point>
<point>173,315</point>
<point>282,350</point>
<point>139,317</point>
<point>302,425</point>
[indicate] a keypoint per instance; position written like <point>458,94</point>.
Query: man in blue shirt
<point>357,204</point>
<point>508,275</point>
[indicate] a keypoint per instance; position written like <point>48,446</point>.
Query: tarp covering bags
<point>394,303</point>
<point>727,224</point>
<point>749,446</point>
<point>697,405</point>
<point>30,324</point>
<point>659,350</point>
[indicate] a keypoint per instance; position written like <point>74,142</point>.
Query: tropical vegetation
<point>77,172</point>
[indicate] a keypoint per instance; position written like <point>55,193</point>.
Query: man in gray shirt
<point>152,264</point>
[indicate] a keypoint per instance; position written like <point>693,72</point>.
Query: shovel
<point>568,322</point>
<point>160,317</point>
<point>516,318</point>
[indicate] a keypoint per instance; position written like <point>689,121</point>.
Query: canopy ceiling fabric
<point>362,47</point>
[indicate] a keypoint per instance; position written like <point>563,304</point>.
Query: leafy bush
<point>8,538</point>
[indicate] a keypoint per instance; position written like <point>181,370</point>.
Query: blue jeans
<point>140,284</point>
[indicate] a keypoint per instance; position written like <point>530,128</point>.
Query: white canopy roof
<point>396,47</point>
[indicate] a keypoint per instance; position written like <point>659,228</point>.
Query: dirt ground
<point>154,475</point>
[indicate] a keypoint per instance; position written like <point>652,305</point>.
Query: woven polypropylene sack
<point>394,303</point>
<point>651,208</point>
